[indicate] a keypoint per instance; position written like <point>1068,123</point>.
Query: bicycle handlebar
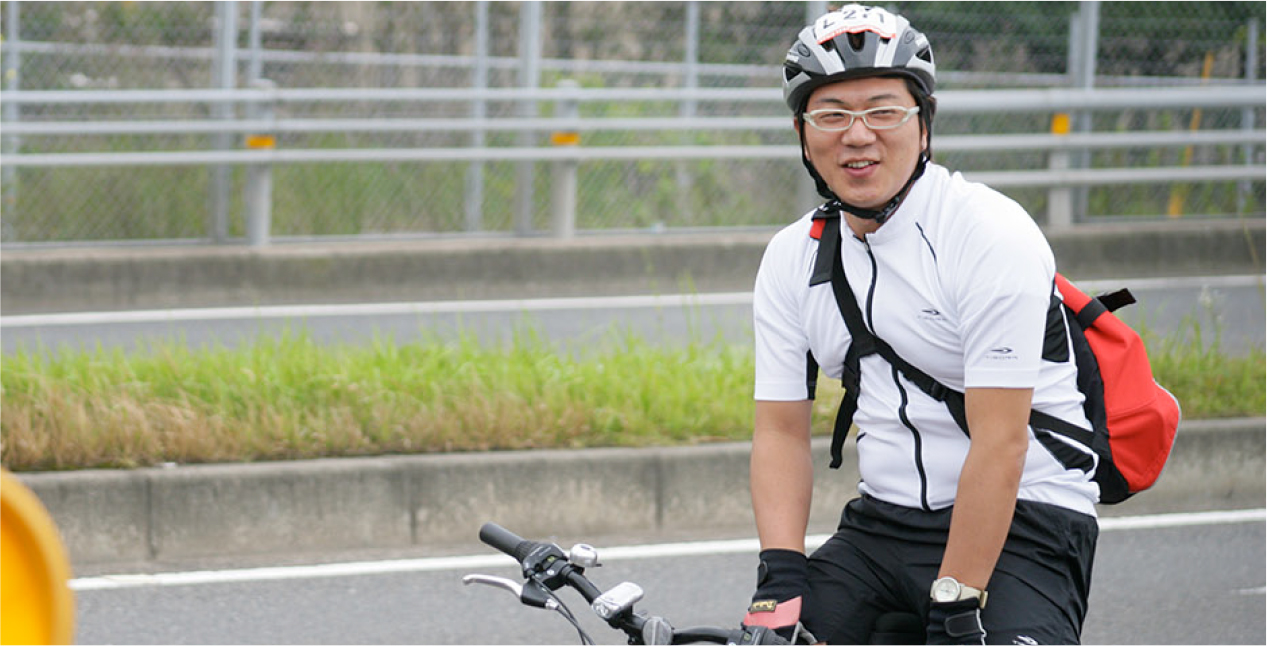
<point>506,541</point>
<point>544,558</point>
<point>546,565</point>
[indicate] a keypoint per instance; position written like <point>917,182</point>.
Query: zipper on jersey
<point>901,410</point>
<point>919,445</point>
<point>875,270</point>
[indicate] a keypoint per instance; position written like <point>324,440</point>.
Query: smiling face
<point>864,167</point>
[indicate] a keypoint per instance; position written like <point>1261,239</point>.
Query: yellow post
<point>36,604</point>
<point>1179,192</point>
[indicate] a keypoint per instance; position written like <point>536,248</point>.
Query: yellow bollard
<point>36,604</point>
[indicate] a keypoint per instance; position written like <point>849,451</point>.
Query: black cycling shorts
<point>884,558</point>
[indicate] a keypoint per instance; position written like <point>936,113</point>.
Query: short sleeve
<point>782,346</point>
<point>1005,287</point>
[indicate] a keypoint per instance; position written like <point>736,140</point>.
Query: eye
<point>831,117</point>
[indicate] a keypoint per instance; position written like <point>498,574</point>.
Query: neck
<point>863,221</point>
<point>861,226</point>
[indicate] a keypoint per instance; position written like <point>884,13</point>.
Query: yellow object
<point>565,138</point>
<point>36,604</point>
<point>261,141</point>
<point>1060,123</point>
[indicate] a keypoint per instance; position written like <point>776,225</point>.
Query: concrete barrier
<point>316,506</point>
<point>104,279</point>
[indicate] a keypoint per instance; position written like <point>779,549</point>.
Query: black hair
<point>927,108</point>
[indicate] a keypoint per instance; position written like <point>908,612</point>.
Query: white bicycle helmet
<point>852,42</point>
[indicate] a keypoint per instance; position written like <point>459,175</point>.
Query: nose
<point>857,133</point>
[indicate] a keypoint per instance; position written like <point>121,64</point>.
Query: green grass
<point>1207,382</point>
<point>292,398</point>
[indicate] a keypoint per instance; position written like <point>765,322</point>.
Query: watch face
<point>945,589</point>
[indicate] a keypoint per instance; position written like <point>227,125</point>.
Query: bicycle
<point>546,569</point>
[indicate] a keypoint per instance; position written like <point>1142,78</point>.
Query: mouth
<point>859,164</point>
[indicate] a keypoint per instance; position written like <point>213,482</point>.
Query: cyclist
<point>986,529</point>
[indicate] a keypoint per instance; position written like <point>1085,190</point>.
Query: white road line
<point>472,563</point>
<point>1183,520</point>
<point>513,306</point>
<point>375,309</point>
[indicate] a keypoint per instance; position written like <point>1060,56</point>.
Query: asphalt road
<point>1228,308</point>
<point>1155,582</point>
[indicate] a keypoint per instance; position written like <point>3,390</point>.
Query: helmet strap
<point>882,214</point>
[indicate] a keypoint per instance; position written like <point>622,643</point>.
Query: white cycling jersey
<point>959,281</point>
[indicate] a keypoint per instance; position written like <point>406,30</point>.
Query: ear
<point>799,125</point>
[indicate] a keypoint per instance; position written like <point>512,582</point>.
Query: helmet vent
<point>857,41</point>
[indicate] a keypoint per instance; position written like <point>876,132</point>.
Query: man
<point>967,518</point>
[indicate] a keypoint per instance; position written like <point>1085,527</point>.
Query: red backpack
<point>1134,419</point>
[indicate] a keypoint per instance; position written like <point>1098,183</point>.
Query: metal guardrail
<point>961,143</point>
<point>260,105</point>
<point>740,72</point>
<point>1052,99</point>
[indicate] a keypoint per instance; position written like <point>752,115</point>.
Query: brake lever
<point>532,595</point>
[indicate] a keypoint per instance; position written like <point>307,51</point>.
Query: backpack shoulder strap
<point>864,343</point>
<point>1086,308</point>
<point>829,248</point>
<point>826,241</point>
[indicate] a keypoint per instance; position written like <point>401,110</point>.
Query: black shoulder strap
<point>864,343</point>
<point>1103,304</point>
<point>825,266</point>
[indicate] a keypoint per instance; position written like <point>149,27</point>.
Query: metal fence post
<point>1247,114</point>
<point>224,76</point>
<point>1086,45</point>
<point>807,196</point>
<point>690,81</point>
<point>255,65</point>
<point>259,177</point>
<point>473,200</point>
<point>529,77</point>
<point>11,145</point>
<point>563,186</point>
<point>1059,198</point>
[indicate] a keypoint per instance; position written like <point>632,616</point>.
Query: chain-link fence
<point>208,45</point>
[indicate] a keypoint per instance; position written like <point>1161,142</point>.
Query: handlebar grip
<point>506,541</point>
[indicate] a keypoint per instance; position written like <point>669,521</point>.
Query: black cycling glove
<point>955,622</point>
<point>781,584</point>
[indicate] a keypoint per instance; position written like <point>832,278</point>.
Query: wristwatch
<point>947,589</point>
